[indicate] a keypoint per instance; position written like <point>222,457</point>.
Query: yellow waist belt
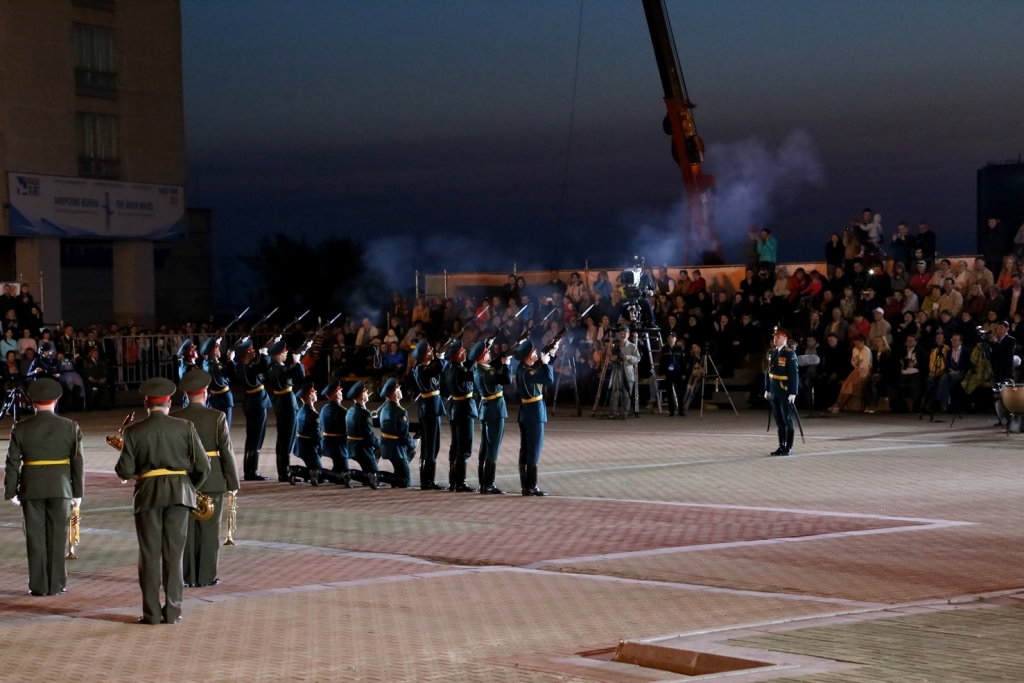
<point>340,436</point>
<point>429,394</point>
<point>65,461</point>
<point>222,391</point>
<point>532,399</point>
<point>160,473</point>
<point>213,454</point>
<point>493,396</point>
<point>355,438</point>
<point>282,391</point>
<point>254,391</point>
<point>462,398</point>
<point>388,436</point>
<point>781,378</point>
<point>303,436</point>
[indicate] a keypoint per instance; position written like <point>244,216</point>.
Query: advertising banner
<point>58,206</point>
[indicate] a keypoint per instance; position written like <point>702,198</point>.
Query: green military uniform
<point>202,546</point>
<point>167,460</point>
<point>44,469</point>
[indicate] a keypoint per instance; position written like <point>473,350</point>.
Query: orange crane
<point>687,147</point>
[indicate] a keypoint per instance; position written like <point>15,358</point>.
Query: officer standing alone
<point>44,476</point>
<point>781,386</point>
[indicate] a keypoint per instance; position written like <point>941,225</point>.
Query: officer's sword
<point>796,414</point>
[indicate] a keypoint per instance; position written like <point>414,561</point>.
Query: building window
<point>97,145</point>
<point>105,5</point>
<point>95,73</point>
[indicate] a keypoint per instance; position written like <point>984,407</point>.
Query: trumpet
<point>232,518</point>
<point>74,531</point>
<point>117,440</point>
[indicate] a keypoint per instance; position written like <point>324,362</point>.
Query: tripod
<point>619,401</point>
<point>719,382</point>
<point>571,361</point>
<point>12,404</point>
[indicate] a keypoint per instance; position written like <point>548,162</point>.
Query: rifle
<point>526,334</point>
<point>489,341</point>
<point>261,321</point>
<point>461,332</point>
<point>561,333</point>
<point>309,342</point>
<point>237,318</point>
<point>288,326</point>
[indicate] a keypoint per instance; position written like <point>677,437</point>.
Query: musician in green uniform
<point>44,476</point>
<point>396,443</point>
<point>202,547</point>
<point>462,414</point>
<point>533,374</point>
<point>781,383</point>
<point>165,457</point>
<point>333,438</point>
<point>489,383</point>
<point>363,444</point>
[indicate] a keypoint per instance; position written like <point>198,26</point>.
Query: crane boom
<point>687,147</point>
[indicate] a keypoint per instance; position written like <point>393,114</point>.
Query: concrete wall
<point>184,273</point>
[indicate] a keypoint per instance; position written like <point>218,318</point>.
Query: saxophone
<point>232,518</point>
<point>74,531</point>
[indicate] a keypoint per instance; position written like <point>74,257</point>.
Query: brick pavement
<point>336,584</point>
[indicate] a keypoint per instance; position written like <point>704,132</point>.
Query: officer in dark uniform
<point>165,457</point>
<point>781,386</point>
<point>44,476</point>
<point>489,383</point>
<point>202,548</point>
<point>251,368</point>
<point>221,375</point>
<point>427,376</point>
<point>284,373</point>
<point>188,354</point>
<point>533,374</point>
<point>363,444</point>
<point>673,366</point>
<point>396,443</point>
<point>333,440</point>
<point>462,414</point>
<point>307,432</point>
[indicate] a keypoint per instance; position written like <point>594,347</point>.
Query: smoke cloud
<point>752,181</point>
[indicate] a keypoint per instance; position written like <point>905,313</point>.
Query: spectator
<point>835,255</point>
<point>879,328</point>
<point>858,378</point>
<point>26,342</point>
<point>767,250</point>
<point>853,244</point>
<point>961,277</point>
<point>951,300</point>
<point>925,241</point>
<point>555,285</point>
<point>28,357</point>
<point>859,326</point>
<point>699,284</point>
<point>1005,279</point>
<point>510,290</point>
<point>912,362</point>
<point>603,286</point>
<point>994,243</point>
<point>900,279</point>
<point>838,325</point>
<point>1018,244</point>
<point>576,289</point>
<point>750,250</point>
<point>902,245</point>
<point>781,286</point>
<point>98,392</point>
<point>994,302</point>
<point>366,333</point>
<point>920,281</point>
<point>957,362</point>
<point>974,304</point>
<point>930,305</point>
<point>1011,298</point>
<point>881,373</point>
<point>10,373</point>
<point>911,303</point>
<point>8,344</point>
<point>980,274</point>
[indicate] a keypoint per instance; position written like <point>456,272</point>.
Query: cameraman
<point>626,351</point>
<point>673,368</point>
<point>1001,348</point>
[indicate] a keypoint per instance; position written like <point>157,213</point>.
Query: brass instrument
<point>204,508</point>
<point>117,440</point>
<point>232,518</point>
<point>74,531</point>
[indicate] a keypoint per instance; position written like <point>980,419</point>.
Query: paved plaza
<point>886,549</point>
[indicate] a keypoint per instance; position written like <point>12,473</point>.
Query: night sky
<point>437,132</point>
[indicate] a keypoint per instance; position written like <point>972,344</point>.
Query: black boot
<point>373,479</point>
<point>460,478</point>
<point>781,450</point>
<point>480,472</point>
<point>452,476</point>
<point>523,480</point>
<point>789,442</point>
<point>427,483</point>
<point>487,480</point>
<point>531,475</point>
<point>346,478</point>
<point>250,462</point>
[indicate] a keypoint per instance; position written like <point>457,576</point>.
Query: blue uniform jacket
<point>307,422</point>
<point>459,379</point>
<point>253,376</point>
<point>428,383</point>
<point>281,381</point>
<point>530,383</point>
<point>490,382</point>
<point>782,379</point>
<point>361,438</point>
<point>394,431</point>
<point>220,384</point>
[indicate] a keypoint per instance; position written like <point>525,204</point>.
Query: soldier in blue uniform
<point>285,372</point>
<point>396,443</point>
<point>221,374</point>
<point>781,383</point>
<point>489,383</point>
<point>307,432</point>
<point>462,413</point>
<point>427,376</point>
<point>533,374</point>
<point>188,354</point>
<point>363,444</point>
<point>251,368</point>
<point>333,440</point>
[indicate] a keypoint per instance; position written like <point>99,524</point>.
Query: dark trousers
<point>286,431</point>
<point>202,547</point>
<point>334,448</point>
<point>675,389</point>
<point>255,428</point>
<point>430,444</point>
<point>308,453</point>
<point>491,432</point>
<point>220,402</point>
<point>402,476</point>
<point>46,533</point>
<point>162,533</point>
<point>531,441</point>
<point>462,439</point>
<point>782,410</point>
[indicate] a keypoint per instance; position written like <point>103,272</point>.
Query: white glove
<point>234,493</point>
<point>767,395</point>
<point>77,501</point>
<point>16,501</point>
<point>792,398</point>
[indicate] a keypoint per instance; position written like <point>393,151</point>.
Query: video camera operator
<point>638,287</point>
<point>626,351</point>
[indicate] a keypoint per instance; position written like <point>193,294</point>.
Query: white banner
<point>58,206</point>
